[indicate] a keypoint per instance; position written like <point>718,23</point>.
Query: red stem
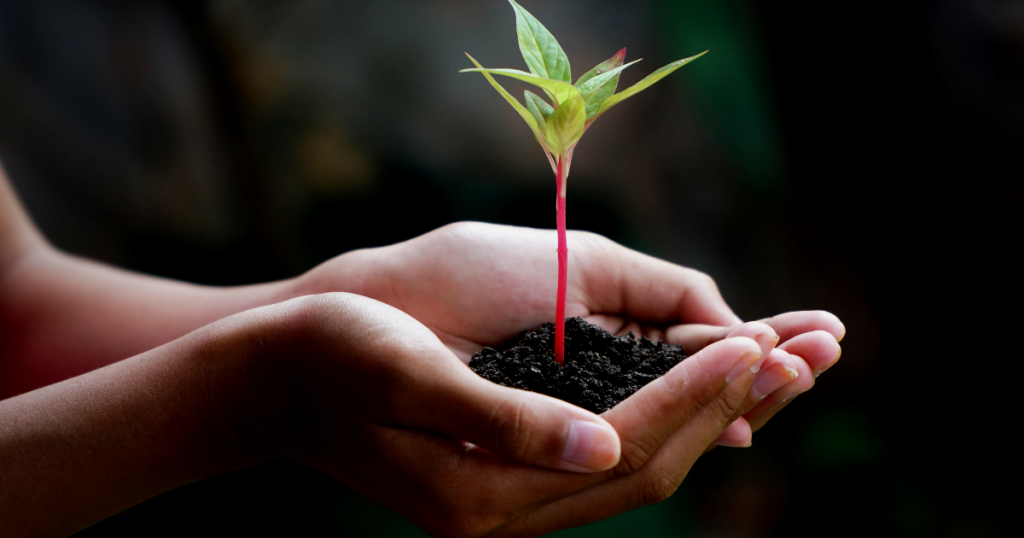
<point>563,263</point>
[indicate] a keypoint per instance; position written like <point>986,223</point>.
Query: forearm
<point>76,452</point>
<point>62,316</point>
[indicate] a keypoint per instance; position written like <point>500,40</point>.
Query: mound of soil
<point>600,369</point>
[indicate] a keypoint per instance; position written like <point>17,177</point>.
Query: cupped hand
<point>476,285</point>
<point>375,399</point>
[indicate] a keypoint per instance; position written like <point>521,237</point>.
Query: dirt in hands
<point>600,369</point>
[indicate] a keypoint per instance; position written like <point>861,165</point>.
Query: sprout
<point>559,125</point>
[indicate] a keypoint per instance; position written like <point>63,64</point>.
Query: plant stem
<point>563,261</point>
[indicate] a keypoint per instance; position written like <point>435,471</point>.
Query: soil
<point>600,369</point>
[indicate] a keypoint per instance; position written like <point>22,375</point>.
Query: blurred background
<point>864,158</point>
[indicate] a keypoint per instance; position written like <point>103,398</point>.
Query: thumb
<point>524,426</point>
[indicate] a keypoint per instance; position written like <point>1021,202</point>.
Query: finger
<point>657,411</point>
<point>777,371</point>
<point>631,327</point>
<point>738,434</point>
<point>620,280</point>
<point>762,334</point>
<point>771,404</point>
<point>791,324</point>
<point>654,334</point>
<point>617,326</point>
<point>612,324</point>
<point>522,426</point>
<point>780,369</point>
<point>461,490</point>
<point>816,352</point>
<point>694,337</point>
<point>819,349</point>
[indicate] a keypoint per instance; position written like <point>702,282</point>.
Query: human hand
<point>362,391</point>
<point>477,285</point>
<point>373,398</point>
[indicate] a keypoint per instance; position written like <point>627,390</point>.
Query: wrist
<point>256,393</point>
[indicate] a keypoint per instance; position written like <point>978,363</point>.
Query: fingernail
<point>590,447</point>
<point>829,365</point>
<point>772,380</point>
<point>764,356</point>
<point>745,363</point>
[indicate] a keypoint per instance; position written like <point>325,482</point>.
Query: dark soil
<point>600,369</point>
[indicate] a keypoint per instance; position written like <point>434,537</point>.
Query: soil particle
<point>600,369</point>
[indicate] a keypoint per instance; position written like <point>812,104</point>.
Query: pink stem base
<point>563,265</point>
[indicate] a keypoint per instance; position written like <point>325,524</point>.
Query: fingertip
<point>839,353</point>
<point>738,434</point>
<point>780,373</point>
<point>830,323</point>
<point>792,324</point>
<point>748,356</point>
<point>819,349</point>
<point>763,334</point>
<point>747,343</point>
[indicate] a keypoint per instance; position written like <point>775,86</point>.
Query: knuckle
<point>510,426</point>
<point>753,328</point>
<point>726,404</point>
<point>702,277</point>
<point>633,457</point>
<point>657,488</point>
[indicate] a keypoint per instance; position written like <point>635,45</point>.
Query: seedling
<point>559,125</point>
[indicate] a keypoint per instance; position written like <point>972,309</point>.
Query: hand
<point>361,391</point>
<point>375,399</point>
<point>477,285</point>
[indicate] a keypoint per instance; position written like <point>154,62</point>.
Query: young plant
<point>559,125</point>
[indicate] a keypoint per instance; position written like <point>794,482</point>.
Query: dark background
<point>863,158</point>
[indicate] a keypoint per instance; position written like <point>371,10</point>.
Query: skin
<point>121,386</point>
<point>477,285</point>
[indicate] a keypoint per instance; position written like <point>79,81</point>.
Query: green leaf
<point>605,66</point>
<point>558,90</point>
<point>541,51</point>
<point>565,126</point>
<point>647,82</point>
<point>526,115</point>
<point>539,108</point>
<point>601,87</point>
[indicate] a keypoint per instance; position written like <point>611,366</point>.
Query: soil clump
<point>600,369</point>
